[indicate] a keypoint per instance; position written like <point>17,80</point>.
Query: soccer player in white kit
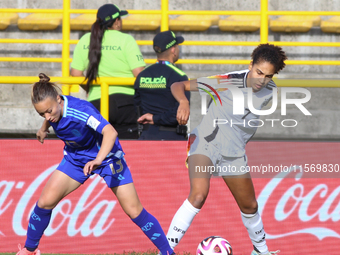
<point>219,141</point>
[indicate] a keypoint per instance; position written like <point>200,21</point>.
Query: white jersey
<point>227,131</point>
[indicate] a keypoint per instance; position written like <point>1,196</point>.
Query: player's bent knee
<point>249,208</point>
<point>198,199</point>
<point>44,203</point>
<point>133,211</point>
<point>133,214</point>
<point>48,200</point>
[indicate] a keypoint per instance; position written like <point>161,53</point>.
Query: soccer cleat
<point>24,251</point>
<point>254,252</point>
<point>159,253</point>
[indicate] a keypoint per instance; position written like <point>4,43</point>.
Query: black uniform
<point>153,95</point>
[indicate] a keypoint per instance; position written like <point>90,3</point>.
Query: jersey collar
<point>65,105</point>
<point>245,79</point>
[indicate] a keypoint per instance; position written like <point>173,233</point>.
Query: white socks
<point>181,222</point>
<point>254,225</point>
<point>187,212</point>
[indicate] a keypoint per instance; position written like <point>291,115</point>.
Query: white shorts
<point>222,165</point>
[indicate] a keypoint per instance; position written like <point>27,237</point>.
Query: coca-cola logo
<point>300,202</point>
<point>67,213</point>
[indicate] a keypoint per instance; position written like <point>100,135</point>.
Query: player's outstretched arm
<point>109,138</point>
<point>178,91</point>
<point>43,131</point>
<point>178,87</point>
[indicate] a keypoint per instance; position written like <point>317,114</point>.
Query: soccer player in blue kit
<point>91,147</point>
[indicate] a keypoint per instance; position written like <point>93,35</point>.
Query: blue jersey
<point>80,128</point>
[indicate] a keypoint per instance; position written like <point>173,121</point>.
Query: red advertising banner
<point>301,213</point>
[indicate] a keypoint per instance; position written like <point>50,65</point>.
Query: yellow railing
<point>67,81</point>
<point>165,12</point>
<point>104,81</point>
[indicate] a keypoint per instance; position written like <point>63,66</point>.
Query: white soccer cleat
<point>268,253</point>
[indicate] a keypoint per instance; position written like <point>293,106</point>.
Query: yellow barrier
<point>67,81</point>
<point>320,83</point>
<point>106,81</point>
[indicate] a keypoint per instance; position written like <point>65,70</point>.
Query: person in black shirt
<point>153,98</point>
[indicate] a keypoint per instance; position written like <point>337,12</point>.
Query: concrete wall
<point>18,116</point>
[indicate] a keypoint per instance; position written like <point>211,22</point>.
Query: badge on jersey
<point>93,123</point>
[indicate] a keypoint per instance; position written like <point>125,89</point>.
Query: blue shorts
<point>115,174</point>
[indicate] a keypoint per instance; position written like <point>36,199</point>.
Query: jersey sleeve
<point>95,120</point>
<point>133,54</point>
<point>80,54</point>
<point>211,85</point>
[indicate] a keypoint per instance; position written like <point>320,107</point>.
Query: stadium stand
<point>294,23</point>
<point>131,22</point>
<point>331,25</point>
<point>193,22</point>
<point>40,21</point>
<point>83,22</point>
<point>141,22</point>
<point>240,23</point>
<point>7,19</point>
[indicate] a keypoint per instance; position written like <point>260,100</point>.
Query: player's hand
<point>183,112</point>
<point>42,134</point>
<point>91,165</point>
<point>147,118</point>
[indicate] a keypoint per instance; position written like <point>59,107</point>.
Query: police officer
<point>153,97</point>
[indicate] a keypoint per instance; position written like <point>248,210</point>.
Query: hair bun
<point>43,78</point>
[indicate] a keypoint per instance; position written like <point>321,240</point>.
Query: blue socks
<point>39,220</point>
<point>153,230</point>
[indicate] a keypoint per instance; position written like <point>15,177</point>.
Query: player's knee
<point>133,214</point>
<point>250,207</point>
<point>198,199</point>
<point>45,203</point>
<point>133,211</point>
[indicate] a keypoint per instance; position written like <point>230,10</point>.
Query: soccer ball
<point>214,245</point>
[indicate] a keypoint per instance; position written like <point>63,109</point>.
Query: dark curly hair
<point>270,53</point>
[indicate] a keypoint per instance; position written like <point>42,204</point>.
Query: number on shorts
<point>119,163</point>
